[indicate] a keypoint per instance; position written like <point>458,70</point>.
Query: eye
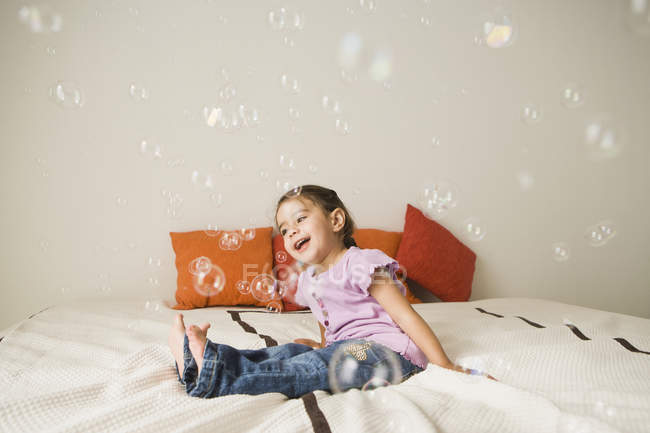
<point>301,218</point>
<point>283,232</point>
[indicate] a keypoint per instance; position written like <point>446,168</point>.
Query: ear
<point>337,219</point>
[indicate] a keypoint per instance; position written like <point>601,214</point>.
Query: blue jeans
<point>292,369</point>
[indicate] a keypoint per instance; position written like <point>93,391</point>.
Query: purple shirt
<point>339,299</point>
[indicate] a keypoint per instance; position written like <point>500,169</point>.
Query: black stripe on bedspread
<point>318,420</point>
<point>234,315</point>
<point>487,312</point>
<point>623,342</point>
<point>576,331</point>
<point>531,323</point>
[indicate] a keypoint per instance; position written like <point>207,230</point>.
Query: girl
<point>354,294</point>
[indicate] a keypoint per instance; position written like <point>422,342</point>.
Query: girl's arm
<point>386,292</point>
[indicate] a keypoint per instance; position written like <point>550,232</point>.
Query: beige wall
<point>82,208</point>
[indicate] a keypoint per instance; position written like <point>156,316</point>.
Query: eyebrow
<point>298,211</point>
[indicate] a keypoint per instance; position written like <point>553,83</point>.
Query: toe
<point>178,321</point>
<point>205,327</point>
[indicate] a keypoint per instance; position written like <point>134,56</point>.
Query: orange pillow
<point>388,242</point>
<point>286,270</point>
<point>434,258</point>
<point>254,257</point>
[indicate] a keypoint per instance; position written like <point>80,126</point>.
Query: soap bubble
<point>288,187</point>
<point>41,19</point>
<point>561,252</point>
<point>572,96</point>
<point>230,241</point>
<point>474,229</point>
<point>599,234</point>
<point>138,92</point>
<point>150,150</point>
<point>287,164</point>
<point>526,180</point>
<point>66,94</point>
<point>227,92</point>
<point>348,370</point>
<point>264,287</point>
<point>274,307</point>
<point>289,84</point>
<point>331,106</point>
<point>498,29</point>
<point>277,18</point>
<point>350,51</point>
<point>603,139</point>
<point>200,265</point>
<point>247,233</point>
<point>203,180</point>
<point>243,287</point>
<point>212,230</point>
<point>637,16</point>
<point>531,114</point>
<point>211,282</point>
<point>381,66</point>
<point>281,257</point>
<point>341,126</point>
<point>438,197</point>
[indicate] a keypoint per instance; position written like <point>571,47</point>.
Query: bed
<point>96,366</point>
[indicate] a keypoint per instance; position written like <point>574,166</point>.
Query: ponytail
<point>348,241</point>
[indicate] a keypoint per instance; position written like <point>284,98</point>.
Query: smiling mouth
<point>301,244</point>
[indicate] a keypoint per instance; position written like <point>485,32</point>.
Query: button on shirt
<point>340,300</point>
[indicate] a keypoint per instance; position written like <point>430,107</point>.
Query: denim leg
<point>189,364</point>
<point>291,369</point>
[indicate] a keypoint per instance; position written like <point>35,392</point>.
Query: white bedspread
<point>96,366</point>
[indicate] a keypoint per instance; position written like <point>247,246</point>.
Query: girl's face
<point>310,235</point>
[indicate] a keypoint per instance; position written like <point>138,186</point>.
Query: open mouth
<point>301,245</point>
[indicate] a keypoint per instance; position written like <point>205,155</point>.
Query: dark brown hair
<point>327,200</point>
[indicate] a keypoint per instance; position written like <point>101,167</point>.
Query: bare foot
<point>176,337</point>
<point>197,337</point>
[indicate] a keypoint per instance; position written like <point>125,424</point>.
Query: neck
<point>332,258</point>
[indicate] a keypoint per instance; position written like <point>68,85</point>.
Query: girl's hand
<point>470,371</point>
<point>308,342</point>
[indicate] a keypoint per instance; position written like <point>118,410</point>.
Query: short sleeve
<point>364,264</point>
<point>300,298</point>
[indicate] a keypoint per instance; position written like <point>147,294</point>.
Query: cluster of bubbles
<point>154,265</point>
<point>208,278</point>
<point>66,94</point>
<point>41,19</point>
<point>227,115</point>
<point>174,203</point>
<point>264,288</point>
<point>347,369</point>
<point>332,107</point>
<point>230,240</point>
<point>599,234</point>
<point>286,22</point>
<point>596,235</point>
